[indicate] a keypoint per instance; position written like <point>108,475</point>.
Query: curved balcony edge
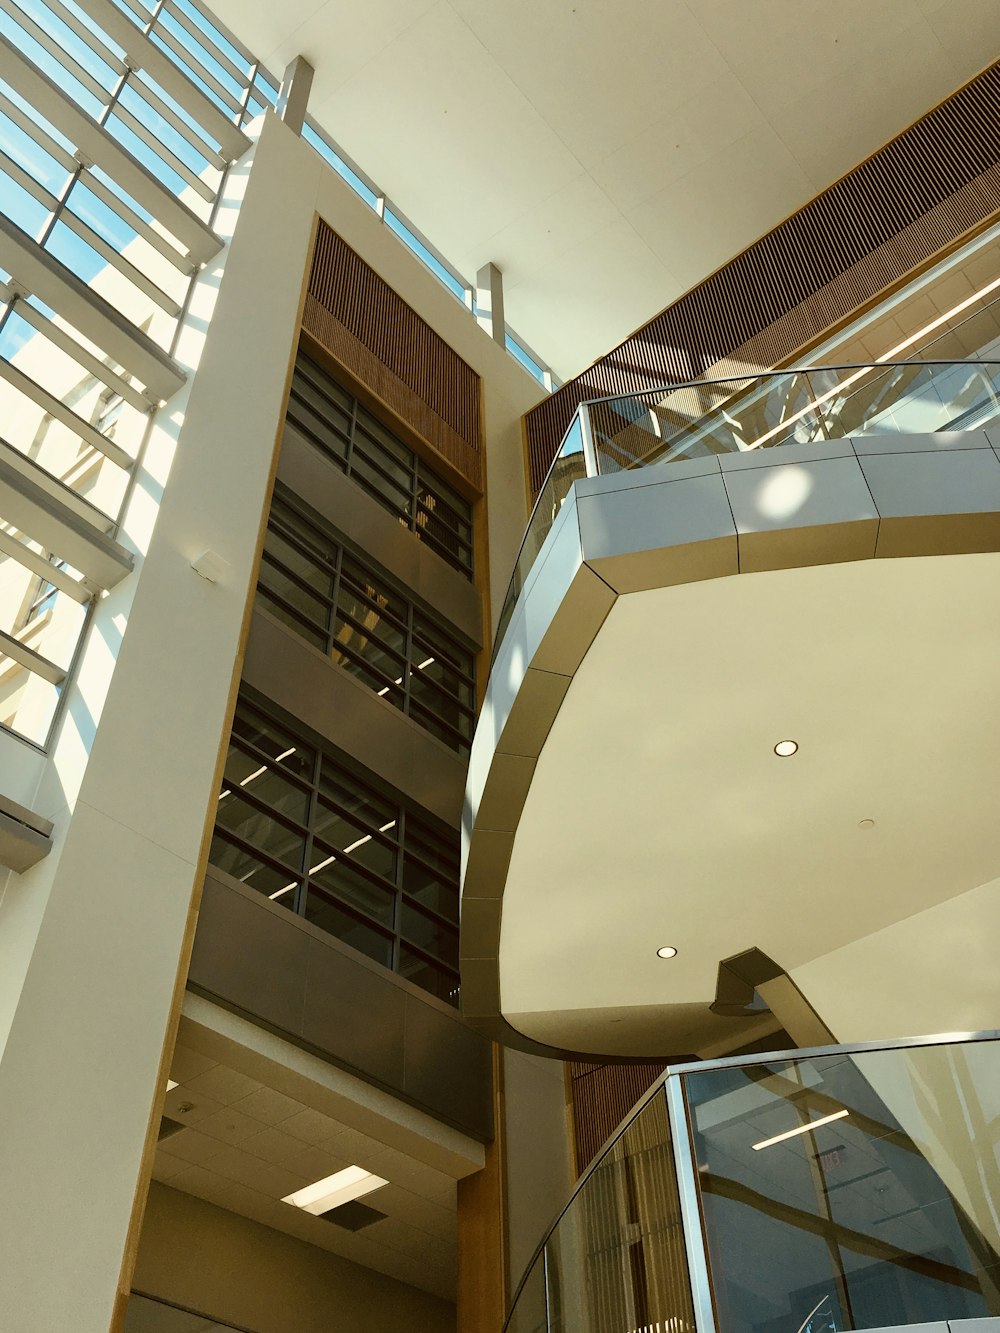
<point>850,500</point>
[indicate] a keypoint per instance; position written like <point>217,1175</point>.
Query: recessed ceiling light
<point>332,1191</point>
<point>801,1129</point>
<point>667,951</point>
<point>866,823</point>
<point>785,748</point>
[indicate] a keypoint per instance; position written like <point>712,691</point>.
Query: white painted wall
<point>90,938</point>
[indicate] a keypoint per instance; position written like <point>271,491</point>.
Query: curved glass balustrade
<point>796,1192</point>
<point>748,412</point>
<point>802,1192</point>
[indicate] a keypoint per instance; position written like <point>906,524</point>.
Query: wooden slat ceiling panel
<point>893,213</point>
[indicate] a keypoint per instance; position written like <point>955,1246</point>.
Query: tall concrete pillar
<point>97,934</point>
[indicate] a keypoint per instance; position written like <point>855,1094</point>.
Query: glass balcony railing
<point>748,412</point>
<point>849,1187</point>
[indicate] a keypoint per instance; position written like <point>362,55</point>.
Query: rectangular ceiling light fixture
<point>801,1129</point>
<point>332,1191</point>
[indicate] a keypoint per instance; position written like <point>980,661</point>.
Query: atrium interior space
<point>499,641</point>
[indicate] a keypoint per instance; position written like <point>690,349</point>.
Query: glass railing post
<point>589,452</point>
<point>687,1188</point>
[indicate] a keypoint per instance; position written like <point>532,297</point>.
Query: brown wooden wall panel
<point>385,344</point>
<point>603,1095</point>
<point>887,217</point>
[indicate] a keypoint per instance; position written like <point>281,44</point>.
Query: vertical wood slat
<point>384,342</point>
<point>938,180</point>
<point>603,1095</point>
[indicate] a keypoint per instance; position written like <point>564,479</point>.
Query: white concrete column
<point>293,96</point>
<point>489,302</point>
<point>95,933</point>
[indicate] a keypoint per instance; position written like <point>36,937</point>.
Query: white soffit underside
<point>659,814</point>
<point>608,154</point>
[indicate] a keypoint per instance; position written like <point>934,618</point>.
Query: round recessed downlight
<point>785,748</point>
<point>667,951</point>
<point>866,823</point>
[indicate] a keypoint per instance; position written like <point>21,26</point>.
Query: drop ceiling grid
<point>247,1146</point>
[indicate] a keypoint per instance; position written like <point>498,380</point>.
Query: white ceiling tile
<point>166,1167</point>
<point>597,73</point>
<point>311,1126</point>
<point>230,1126</point>
<point>183,1105</point>
<point>493,124</point>
<point>698,222</point>
<point>268,1106</point>
<point>186,1063</point>
<point>677,143</point>
<point>602,290</point>
<point>223,1084</point>
<point>274,1181</point>
<point>972,38</point>
<point>193,1147</point>
<point>425,121</point>
<point>566,218</point>
<point>311,1163</point>
<point>273,1146</point>
<point>337,38</point>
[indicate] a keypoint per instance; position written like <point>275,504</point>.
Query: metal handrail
<point>792,370</point>
<point>699,384</point>
<point>735,1062</point>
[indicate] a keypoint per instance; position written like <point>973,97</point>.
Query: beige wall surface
<point>231,1269</point>
<point>539,1166</point>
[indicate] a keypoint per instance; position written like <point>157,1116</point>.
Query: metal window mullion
<point>30,660</point>
<point>277,562</point>
<point>139,10</point>
<point>161,108</point>
<point>44,141</point>
<point>408,675</point>
<point>335,609</point>
<point>397,915</point>
<point>139,225</point>
<point>163,71</point>
<point>118,261</point>
<point>166,156</point>
<point>349,457</point>
<point>204,40</point>
<point>99,48</point>
<point>312,813</point>
<point>27,182</point>
<point>686,1173</point>
<point>252,751</point>
<point>36,563</point>
<point>57,52</point>
<point>191,66</point>
<point>414,493</point>
<point>58,409</point>
<point>78,352</point>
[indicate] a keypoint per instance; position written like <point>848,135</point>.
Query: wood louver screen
<point>385,344</point>
<point>603,1095</point>
<point>893,213</point>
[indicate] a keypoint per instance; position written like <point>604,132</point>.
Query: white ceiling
<point>608,154</point>
<point>247,1145</point>
<point>658,813</point>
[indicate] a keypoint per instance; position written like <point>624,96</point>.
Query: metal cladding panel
<point>910,200</point>
<point>261,960</point>
<point>386,345</point>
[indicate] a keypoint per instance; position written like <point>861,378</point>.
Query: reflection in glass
<point>878,1216</point>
